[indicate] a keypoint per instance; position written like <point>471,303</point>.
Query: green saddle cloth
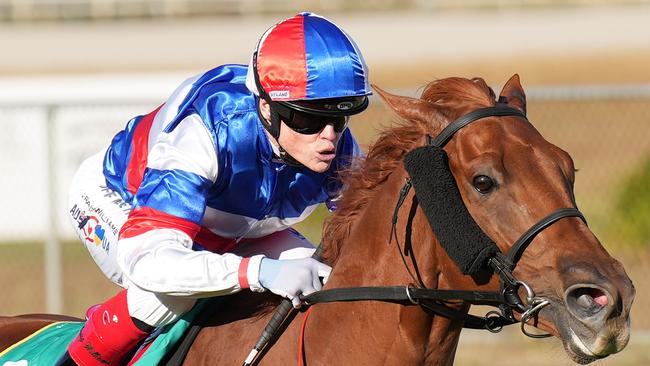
<point>48,344</point>
<point>44,347</point>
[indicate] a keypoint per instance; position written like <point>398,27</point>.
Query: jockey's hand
<point>291,278</point>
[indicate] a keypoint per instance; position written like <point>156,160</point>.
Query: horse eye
<point>483,184</point>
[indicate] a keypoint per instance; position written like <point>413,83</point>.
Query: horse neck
<point>367,258</point>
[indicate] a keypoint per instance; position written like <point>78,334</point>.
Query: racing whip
<point>284,313</point>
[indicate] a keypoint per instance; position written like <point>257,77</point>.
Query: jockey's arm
<point>155,246</point>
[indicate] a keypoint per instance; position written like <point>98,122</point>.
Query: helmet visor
<point>345,106</point>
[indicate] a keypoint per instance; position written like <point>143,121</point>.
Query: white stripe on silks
<point>161,260</point>
<point>169,110</point>
<point>189,147</point>
<point>230,225</point>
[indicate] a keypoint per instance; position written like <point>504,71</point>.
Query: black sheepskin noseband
<point>437,193</point>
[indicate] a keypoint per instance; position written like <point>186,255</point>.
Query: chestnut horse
<point>509,178</point>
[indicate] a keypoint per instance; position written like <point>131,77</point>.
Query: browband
<point>496,111</point>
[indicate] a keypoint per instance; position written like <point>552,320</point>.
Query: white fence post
<point>53,276</point>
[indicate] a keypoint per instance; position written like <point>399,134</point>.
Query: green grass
<point>22,279</point>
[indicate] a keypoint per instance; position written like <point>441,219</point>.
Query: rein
<point>428,299</point>
<point>433,301</point>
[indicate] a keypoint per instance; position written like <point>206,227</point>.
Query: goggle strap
<point>273,127</point>
<point>288,159</point>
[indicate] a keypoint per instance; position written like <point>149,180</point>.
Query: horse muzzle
<point>594,320</point>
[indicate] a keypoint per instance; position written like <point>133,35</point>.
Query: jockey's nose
<point>328,132</point>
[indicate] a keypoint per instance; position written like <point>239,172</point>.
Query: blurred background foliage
<point>632,219</point>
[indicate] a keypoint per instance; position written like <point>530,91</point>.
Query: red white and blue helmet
<point>309,64</point>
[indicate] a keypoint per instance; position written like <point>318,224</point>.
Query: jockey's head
<point>310,77</point>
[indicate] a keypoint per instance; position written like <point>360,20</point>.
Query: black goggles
<point>309,123</point>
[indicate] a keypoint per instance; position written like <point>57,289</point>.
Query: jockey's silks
<point>226,177</point>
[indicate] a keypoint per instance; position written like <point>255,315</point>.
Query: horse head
<point>509,178</point>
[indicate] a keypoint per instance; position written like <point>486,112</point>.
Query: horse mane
<point>459,94</point>
<point>363,178</point>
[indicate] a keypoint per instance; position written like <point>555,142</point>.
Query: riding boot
<point>108,335</point>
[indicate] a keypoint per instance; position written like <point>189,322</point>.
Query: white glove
<point>291,278</point>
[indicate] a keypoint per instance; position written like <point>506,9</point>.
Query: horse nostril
<point>592,298</point>
<point>587,301</point>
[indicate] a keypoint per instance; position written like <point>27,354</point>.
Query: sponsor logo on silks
<point>81,217</point>
<point>77,215</point>
<point>117,200</point>
<point>280,94</point>
<point>94,233</point>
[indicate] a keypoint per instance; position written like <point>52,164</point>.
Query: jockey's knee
<point>156,309</point>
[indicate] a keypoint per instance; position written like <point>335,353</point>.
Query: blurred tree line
<point>632,213</point>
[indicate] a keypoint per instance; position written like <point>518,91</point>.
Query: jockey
<point>197,198</point>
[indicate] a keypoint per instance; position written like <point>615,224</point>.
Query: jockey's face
<point>314,151</point>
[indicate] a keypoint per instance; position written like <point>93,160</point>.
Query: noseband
<point>484,254</point>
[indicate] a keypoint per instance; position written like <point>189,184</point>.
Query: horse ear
<point>513,93</point>
<point>410,108</point>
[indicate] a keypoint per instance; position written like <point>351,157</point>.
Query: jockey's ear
<point>411,108</point>
<point>514,94</point>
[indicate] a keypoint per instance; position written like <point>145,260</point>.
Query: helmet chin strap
<point>273,128</point>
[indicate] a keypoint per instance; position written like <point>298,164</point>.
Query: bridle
<point>506,300</point>
<point>434,301</point>
<point>501,264</point>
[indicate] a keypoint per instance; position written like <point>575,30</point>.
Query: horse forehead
<point>500,135</point>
